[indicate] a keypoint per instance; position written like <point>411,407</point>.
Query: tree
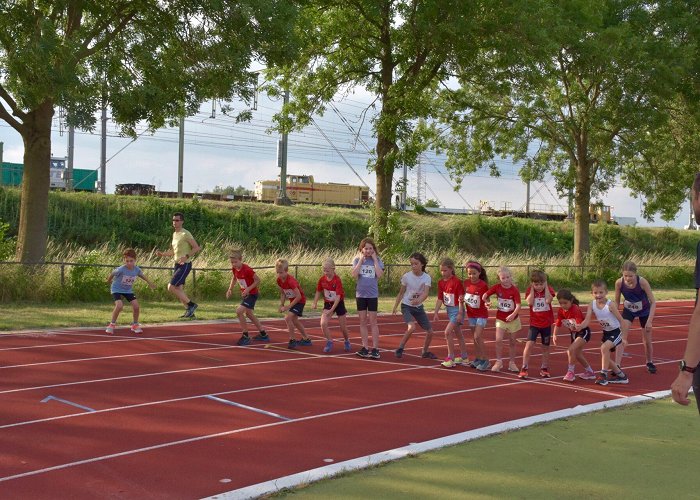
<point>399,50</point>
<point>582,89</point>
<point>146,59</point>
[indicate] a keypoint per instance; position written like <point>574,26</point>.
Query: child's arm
<point>618,291</point>
<point>530,299</point>
<point>316,297</point>
<point>150,283</point>
<point>487,294</point>
<point>230,287</point>
<point>555,330</point>
<point>282,299</point>
<point>110,277</point>
<point>356,268</point>
<point>425,289</point>
<point>586,320</point>
<point>256,281</point>
<point>652,302</point>
<point>438,304</point>
<point>616,312</point>
<point>377,268</point>
<point>548,297</point>
<point>398,298</point>
<point>336,301</point>
<point>515,313</point>
<point>296,299</point>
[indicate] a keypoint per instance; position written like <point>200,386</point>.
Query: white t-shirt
<point>607,320</point>
<point>415,286</point>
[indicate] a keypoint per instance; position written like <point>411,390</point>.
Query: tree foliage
<point>145,59</point>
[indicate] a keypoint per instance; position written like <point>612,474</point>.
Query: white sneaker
<point>110,328</point>
<point>136,328</point>
<point>497,366</point>
<point>512,367</point>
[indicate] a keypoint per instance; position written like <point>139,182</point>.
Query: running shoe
<point>512,367</point>
<point>476,363</point>
<point>190,310</point>
<point>461,361</point>
<point>651,367</point>
<point>244,340</point>
<point>601,379</point>
<point>544,372</point>
<point>569,377</point>
<point>448,363</point>
<point>304,342</point>
<point>523,373</point>
<point>497,366</point>
<point>484,366</point>
<point>619,378</point>
<point>587,375</point>
<point>329,346</point>
<point>399,352</point>
<point>110,328</point>
<point>363,353</point>
<point>374,354</point>
<point>428,355</point>
<point>136,328</point>
<point>262,337</point>
<point>292,344</point>
<point>348,346</point>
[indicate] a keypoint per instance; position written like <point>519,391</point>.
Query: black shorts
<point>370,304</point>
<point>180,272</point>
<point>536,331</point>
<point>614,336</point>
<point>340,309</point>
<point>128,296</point>
<point>629,316</point>
<point>249,301</point>
<point>297,309</point>
<point>584,334</point>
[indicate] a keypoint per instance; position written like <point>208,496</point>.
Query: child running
<point>415,285</point>
<point>507,320</point>
<point>539,296</point>
<point>570,316</point>
<point>333,302</point>
<point>610,320</point>
<point>367,268</point>
<point>290,289</point>
<point>248,282</point>
<point>475,286</point>
<point>639,302</point>
<point>450,293</point>
<point>122,285</point>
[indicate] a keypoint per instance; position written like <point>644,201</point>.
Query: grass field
<point>648,451</point>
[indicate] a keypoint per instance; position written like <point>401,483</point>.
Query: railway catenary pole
<point>103,148</point>
<point>181,157</point>
<point>71,150</point>
<point>282,198</point>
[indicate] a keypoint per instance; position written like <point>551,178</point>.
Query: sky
<point>220,152</point>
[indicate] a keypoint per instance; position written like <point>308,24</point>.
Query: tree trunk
<point>582,200</point>
<point>385,179</point>
<point>33,213</point>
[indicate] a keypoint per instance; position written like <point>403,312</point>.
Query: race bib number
<point>473,301</point>
<point>540,305</point>
<point>448,299</point>
<point>633,306</point>
<point>367,271</point>
<point>414,296</point>
<point>506,305</point>
<point>128,280</point>
<point>289,293</point>
<point>329,295</point>
<point>605,324</point>
<point>242,283</point>
<point>569,323</point>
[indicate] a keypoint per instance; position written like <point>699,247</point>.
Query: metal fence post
<point>63,275</point>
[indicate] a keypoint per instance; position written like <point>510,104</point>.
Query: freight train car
<point>303,189</point>
<point>83,180</point>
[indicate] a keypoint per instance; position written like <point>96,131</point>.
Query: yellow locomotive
<point>303,189</point>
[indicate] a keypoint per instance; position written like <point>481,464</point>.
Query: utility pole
<point>527,199</point>
<point>69,166</point>
<point>282,198</point>
<point>2,144</point>
<point>181,157</point>
<point>103,149</point>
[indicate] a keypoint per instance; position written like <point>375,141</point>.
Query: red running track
<point>182,412</point>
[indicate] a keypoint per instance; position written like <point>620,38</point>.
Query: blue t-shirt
<point>123,279</point>
<point>367,286</point>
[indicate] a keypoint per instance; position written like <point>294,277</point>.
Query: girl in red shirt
<point>475,286</point>
<point>507,320</point>
<point>333,302</point>
<point>539,297</point>
<point>450,293</point>
<point>570,317</point>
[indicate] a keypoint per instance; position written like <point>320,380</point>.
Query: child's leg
<point>299,325</point>
<point>325,319</point>
<point>428,340</point>
<point>289,319</point>
<point>135,310</point>
<point>512,349</point>
<point>241,312</point>
<point>343,327</point>
<point>545,356</point>
<point>363,327</point>
<point>462,344</point>
<point>619,351</point>
<point>648,345</point>
<point>605,355</point>
<point>410,328</point>
<point>118,306</point>
<point>499,343</point>
<point>449,338</point>
<point>479,344</point>
<point>526,353</point>
<point>254,319</point>
<point>374,326</point>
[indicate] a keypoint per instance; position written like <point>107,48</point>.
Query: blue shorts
<point>180,272</point>
<point>340,309</point>
<point>417,314</point>
<point>536,331</point>
<point>297,309</point>
<point>478,322</point>
<point>128,296</point>
<point>370,304</point>
<point>250,301</point>
<point>614,336</point>
<point>629,316</point>
<point>452,314</point>
<point>584,334</point>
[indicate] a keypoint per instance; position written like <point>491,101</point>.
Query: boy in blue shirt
<point>122,280</point>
